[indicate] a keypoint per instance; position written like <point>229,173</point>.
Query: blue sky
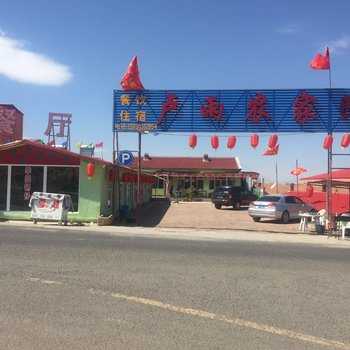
<point>69,56</point>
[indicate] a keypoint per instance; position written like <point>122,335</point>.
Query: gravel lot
<point>203,215</point>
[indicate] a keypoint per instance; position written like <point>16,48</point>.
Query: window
<point>159,183</point>
<point>198,184</point>
<point>22,182</point>
<point>3,187</point>
<point>290,200</point>
<point>65,181</point>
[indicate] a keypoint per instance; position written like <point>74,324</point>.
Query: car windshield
<point>221,189</point>
<point>269,199</point>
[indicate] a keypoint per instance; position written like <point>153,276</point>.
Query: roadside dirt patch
<point>203,215</point>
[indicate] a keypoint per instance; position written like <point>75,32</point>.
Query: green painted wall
<point>92,194</point>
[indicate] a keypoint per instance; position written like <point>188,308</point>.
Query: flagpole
<point>296,166</point>
<point>276,176</point>
<point>138,199</point>
<point>329,205</point>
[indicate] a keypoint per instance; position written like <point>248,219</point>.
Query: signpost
<point>125,158</point>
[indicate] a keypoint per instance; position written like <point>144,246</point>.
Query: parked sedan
<point>279,207</point>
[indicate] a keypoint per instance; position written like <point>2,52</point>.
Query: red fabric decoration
<point>271,151</point>
<point>328,142</point>
<point>131,79</point>
<point>298,171</point>
<point>215,142</point>
<point>254,140</point>
<point>321,62</point>
<point>231,142</point>
<point>273,141</point>
<point>309,191</point>
<point>193,141</point>
<point>90,170</point>
<point>345,141</point>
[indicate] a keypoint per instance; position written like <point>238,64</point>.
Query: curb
<point>192,233</point>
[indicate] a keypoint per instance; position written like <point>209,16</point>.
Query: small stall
<point>50,206</point>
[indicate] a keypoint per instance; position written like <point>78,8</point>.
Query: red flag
<point>100,144</point>
<point>321,62</point>
<point>131,79</point>
<point>298,171</point>
<point>271,151</point>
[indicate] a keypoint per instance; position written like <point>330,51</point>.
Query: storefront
<point>196,177</point>
<point>30,166</point>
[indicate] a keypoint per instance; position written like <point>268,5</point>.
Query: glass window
<point>199,184</point>
<point>24,181</point>
<point>3,187</point>
<point>65,181</point>
<point>298,200</point>
<point>290,200</point>
<point>211,184</point>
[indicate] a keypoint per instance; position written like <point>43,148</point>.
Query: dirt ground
<point>203,215</point>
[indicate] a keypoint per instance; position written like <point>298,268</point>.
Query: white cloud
<point>28,67</point>
<point>338,46</point>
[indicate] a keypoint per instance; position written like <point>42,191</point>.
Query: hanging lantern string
<point>227,135</point>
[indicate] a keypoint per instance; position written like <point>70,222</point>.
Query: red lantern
<point>231,142</point>
<point>254,140</point>
<point>215,142</point>
<point>193,141</point>
<point>309,191</point>
<point>90,170</point>
<point>345,141</point>
<point>328,141</point>
<point>273,141</point>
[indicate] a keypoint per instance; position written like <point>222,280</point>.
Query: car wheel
<point>218,206</point>
<point>236,205</point>
<point>256,218</point>
<point>285,217</point>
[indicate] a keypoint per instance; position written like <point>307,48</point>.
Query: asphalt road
<point>67,289</point>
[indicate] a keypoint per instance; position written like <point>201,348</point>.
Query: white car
<point>279,207</point>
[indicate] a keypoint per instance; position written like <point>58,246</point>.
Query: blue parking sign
<point>125,158</point>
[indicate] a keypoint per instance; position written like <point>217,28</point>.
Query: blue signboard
<point>297,110</point>
<point>125,158</point>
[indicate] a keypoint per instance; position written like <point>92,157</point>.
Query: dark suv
<point>232,196</point>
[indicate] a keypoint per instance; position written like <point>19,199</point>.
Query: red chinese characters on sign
<point>213,110</point>
<point>345,108</point>
<point>11,124</point>
<point>303,108</point>
<point>256,108</point>
<point>168,106</point>
<point>60,120</point>
<point>7,121</point>
<point>27,182</point>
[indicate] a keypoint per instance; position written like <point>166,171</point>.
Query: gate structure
<point>234,111</point>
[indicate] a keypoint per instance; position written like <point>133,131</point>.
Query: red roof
<point>189,163</point>
<point>31,152</point>
<point>338,176</point>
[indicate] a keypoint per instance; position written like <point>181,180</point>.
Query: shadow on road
<point>151,213</point>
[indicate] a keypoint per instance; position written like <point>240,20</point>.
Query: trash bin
<point>124,212</point>
<point>50,206</point>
